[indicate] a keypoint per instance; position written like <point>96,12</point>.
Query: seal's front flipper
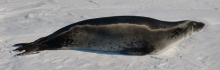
<point>138,51</point>
<point>134,51</point>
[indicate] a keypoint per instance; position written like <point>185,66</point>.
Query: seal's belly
<point>102,44</point>
<point>114,37</point>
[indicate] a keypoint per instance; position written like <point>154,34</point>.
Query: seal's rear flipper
<point>33,49</point>
<point>24,46</point>
<point>21,44</point>
<point>26,53</point>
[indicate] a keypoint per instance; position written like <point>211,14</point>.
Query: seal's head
<point>178,34</point>
<point>187,29</point>
<point>197,26</point>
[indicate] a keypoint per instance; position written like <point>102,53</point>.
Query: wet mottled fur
<point>125,34</point>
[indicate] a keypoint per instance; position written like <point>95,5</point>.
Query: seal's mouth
<point>197,30</point>
<point>201,30</point>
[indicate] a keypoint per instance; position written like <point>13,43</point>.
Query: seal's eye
<point>194,25</point>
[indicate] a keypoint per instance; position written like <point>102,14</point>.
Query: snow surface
<point>28,20</point>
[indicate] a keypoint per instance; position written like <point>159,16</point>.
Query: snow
<point>28,20</point>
